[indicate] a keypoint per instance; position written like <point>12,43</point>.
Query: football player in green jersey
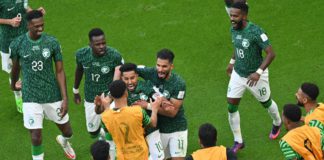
<point>229,3</point>
<point>44,91</point>
<point>138,94</point>
<point>172,123</point>
<point>97,62</point>
<point>12,24</point>
<point>248,71</point>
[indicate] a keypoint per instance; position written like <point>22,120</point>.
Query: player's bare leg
<point>63,140</point>
<point>37,148</point>
<point>234,121</point>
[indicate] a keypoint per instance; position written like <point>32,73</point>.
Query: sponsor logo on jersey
<point>46,53</point>
<point>245,43</point>
<point>10,9</point>
<point>96,64</point>
<point>18,1</point>
<point>35,48</point>
<point>238,37</point>
<point>105,69</point>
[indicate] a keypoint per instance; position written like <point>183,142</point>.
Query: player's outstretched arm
<point>15,74</point>
<point>77,80</point>
<point>60,75</point>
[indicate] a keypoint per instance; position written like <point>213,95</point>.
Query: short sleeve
<point>13,50</point>
<point>180,91</point>
<point>146,118</point>
<point>57,51</point>
<point>145,72</point>
<point>261,38</point>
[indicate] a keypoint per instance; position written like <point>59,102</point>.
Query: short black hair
<point>128,67</point>
<point>310,89</point>
<point>292,112</point>
<point>95,32</point>
<point>165,54</point>
<point>207,135</point>
<point>241,6</point>
<point>100,150</point>
<point>34,14</point>
<point>117,88</point>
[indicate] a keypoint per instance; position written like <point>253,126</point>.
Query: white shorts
<point>175,144</point>
<point>112,149</point>
<point>6,62</point>
<point>93,120</point>
<point>34,114</point>
<point>237,86</point>
<point>155,145</point>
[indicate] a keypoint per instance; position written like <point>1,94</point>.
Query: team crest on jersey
<point>46,53</point>
<point>245,43</point>
<point>105,69</point>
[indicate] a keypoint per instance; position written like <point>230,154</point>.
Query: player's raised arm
<point>60,75</point>
<point>77,79</point>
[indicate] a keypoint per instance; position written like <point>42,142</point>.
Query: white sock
<point>274,113</point>
<point>234,121</point>
<point>102,134</point>
<point>39,157</point>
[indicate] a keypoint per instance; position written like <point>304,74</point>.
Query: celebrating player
<point>125,124</point>
<point>248,71</point>
<point>44,92</point>
<point>12,24</point>
<point>97,62</point>
<point>172,122</point>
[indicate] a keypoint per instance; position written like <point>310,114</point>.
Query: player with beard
<point>171,123</point>
<point>249,71</point>
<point>306,97</point>
<point>229,3</point>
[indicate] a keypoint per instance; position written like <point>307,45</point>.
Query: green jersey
<point>174,87</point>
<point>10,9</point>
<point>248,43</point>
<point>36,61</point>
<point>143,91</point>
<point>98,70</point>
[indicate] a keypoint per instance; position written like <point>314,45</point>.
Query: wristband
<point>232,61</point>
<point>149,107</point>
<point>259,71</point>
<point>75,91</point>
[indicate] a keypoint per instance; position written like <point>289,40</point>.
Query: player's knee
<point>232,108</point>
<point>267,103</point>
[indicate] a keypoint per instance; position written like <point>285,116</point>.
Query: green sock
<point>37,150</point>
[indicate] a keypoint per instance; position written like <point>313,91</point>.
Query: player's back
<point>126,127</point>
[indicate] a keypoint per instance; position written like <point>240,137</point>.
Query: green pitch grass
<point>198,32</point>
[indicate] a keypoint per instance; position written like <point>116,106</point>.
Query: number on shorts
<point>124,128</point>
<point>240,53</point>
<point>37,66</point>
<point>263,91</point>
<point>159,146</point>
<point>180,143</point>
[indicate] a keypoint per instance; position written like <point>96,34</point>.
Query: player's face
<point>301,97</point>
<point>36,27</point>
<point>98,45</point>
<point>163,67</point>
<point>237,18</point>
<point>130,78</point>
